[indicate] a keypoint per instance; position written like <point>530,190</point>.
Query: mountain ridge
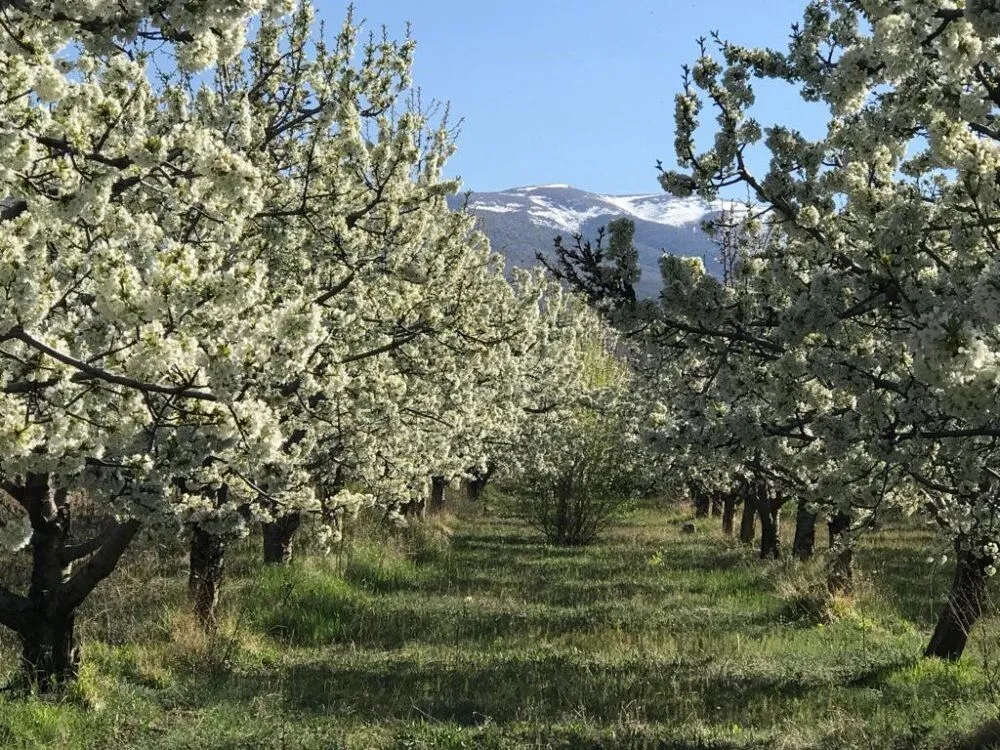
<point>524,220</point>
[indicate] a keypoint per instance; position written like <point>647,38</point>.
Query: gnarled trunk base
<point>964,608</point>
<point>49,654</point>
<point>45,618</point>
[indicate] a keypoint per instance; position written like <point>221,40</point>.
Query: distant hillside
<point>521,221</point>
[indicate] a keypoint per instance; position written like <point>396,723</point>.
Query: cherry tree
<point>880,287</point>
<point>124,289</point>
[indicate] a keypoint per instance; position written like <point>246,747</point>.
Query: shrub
<point>578,496</point>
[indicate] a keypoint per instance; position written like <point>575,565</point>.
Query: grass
<point>652,639</point>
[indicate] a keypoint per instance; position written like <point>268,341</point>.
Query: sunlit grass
<point>652,638</point>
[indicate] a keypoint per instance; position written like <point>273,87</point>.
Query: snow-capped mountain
<point>522,221</point>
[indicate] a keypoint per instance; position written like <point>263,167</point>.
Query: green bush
<point>583,489</point>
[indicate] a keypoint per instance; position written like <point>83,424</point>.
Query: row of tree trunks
<point>759,504</point>
<point>964,606</point>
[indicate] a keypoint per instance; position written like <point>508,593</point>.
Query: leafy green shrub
<point>574,498</point>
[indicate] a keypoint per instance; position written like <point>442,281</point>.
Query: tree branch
<point>13,610</point>
<point>99,566</point>
<point>108,377</point>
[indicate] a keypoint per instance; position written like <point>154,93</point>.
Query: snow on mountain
<point>522,221</point>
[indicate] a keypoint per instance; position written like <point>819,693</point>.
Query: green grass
<point>652,639</point>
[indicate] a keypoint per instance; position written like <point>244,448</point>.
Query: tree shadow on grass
<point>387,624</point>
<point>987,737</point>
<point>546,689</point>
<point>877,674</point>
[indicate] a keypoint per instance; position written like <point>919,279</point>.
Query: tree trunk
<point>49,654</point>
<point>748,520</point>
<point>728,513</point>
<point>205,576</point>
<point>415,509</point>
<point>769,510</point>
<point>474,487</point>
<point>805,532</point>
<point>438,485</point>
<point>716,506</point>
<point>44,619</point>
<point>700,500</point>
<point>48,649</point>
<point>840,576</point>
<point>964,607</point>
<point>278,538</point>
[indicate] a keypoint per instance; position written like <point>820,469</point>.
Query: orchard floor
<point>652,639</point>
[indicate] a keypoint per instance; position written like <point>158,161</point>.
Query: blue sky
<point>577,92</point>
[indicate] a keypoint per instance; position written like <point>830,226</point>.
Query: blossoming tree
<point>880,290</point>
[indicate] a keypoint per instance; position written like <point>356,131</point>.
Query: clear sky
<point>568,91</point>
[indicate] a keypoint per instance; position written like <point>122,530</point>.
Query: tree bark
<point>48,648</point>
<point>415,509</point>
<point>748,520</point>
<point>205,576</point>
<point>49,654</point>
<point>45,618</point>
<point>840,576</point>
<point>279,537</point>
<point>804,541</point>
<point>728,513</point>
<point>963,609</point>
<point>474,487</point>
<point>438,485</point>
<point>700,499</point>
<point>769,510</point>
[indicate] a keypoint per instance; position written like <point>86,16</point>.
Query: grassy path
<point>652,639</point>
